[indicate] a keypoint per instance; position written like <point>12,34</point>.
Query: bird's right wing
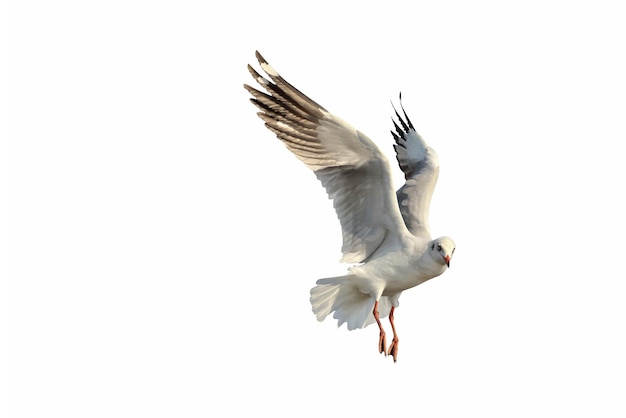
<point>350,166</point>
<point>420,165</point>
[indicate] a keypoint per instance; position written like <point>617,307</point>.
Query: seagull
<point>386,236</point>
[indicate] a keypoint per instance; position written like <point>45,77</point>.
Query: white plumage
<point>386,235</point>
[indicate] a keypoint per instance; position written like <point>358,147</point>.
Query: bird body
<point>397,267</point>
<point>385,234</point>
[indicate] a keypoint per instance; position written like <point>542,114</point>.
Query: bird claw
<point>382,343</point>
<point>393,349</point>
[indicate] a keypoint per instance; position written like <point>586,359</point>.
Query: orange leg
<point>393,348</point>
<point>382,341</point>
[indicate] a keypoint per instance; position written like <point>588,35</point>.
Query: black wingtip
<point>252,71</point>
<point>402,122</point>
<point>259,57</point>
<point>404,111</point>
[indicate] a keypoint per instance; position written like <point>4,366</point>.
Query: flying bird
<point>385,235</point>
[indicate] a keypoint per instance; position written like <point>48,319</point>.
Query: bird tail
<point>342,296</point>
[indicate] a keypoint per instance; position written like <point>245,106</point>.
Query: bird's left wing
<point>420,166</point>
<point>350,166</point>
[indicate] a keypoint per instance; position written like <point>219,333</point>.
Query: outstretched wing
<point>420,165</point>
<point>354,172</point>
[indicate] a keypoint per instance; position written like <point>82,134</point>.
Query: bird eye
<point>438,247</point>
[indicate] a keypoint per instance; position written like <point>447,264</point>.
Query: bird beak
<point>447,260</point>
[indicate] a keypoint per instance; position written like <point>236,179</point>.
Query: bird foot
<point>393,349</point>
<point>382,343</point>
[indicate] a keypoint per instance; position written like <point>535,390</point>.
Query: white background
<point>163,242</point>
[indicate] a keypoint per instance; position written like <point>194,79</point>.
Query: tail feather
<point>323,299</point>
<point>351,306</point>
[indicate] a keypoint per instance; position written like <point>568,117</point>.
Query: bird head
<point>442,250</point>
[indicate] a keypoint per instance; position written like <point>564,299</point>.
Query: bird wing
<point>420,165</point>
<point>350,166</point>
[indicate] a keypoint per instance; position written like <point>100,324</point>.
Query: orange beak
<point>447,260</point>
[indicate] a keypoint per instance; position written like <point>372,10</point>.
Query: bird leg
<point>382,341</point>
<point>393,348</point>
